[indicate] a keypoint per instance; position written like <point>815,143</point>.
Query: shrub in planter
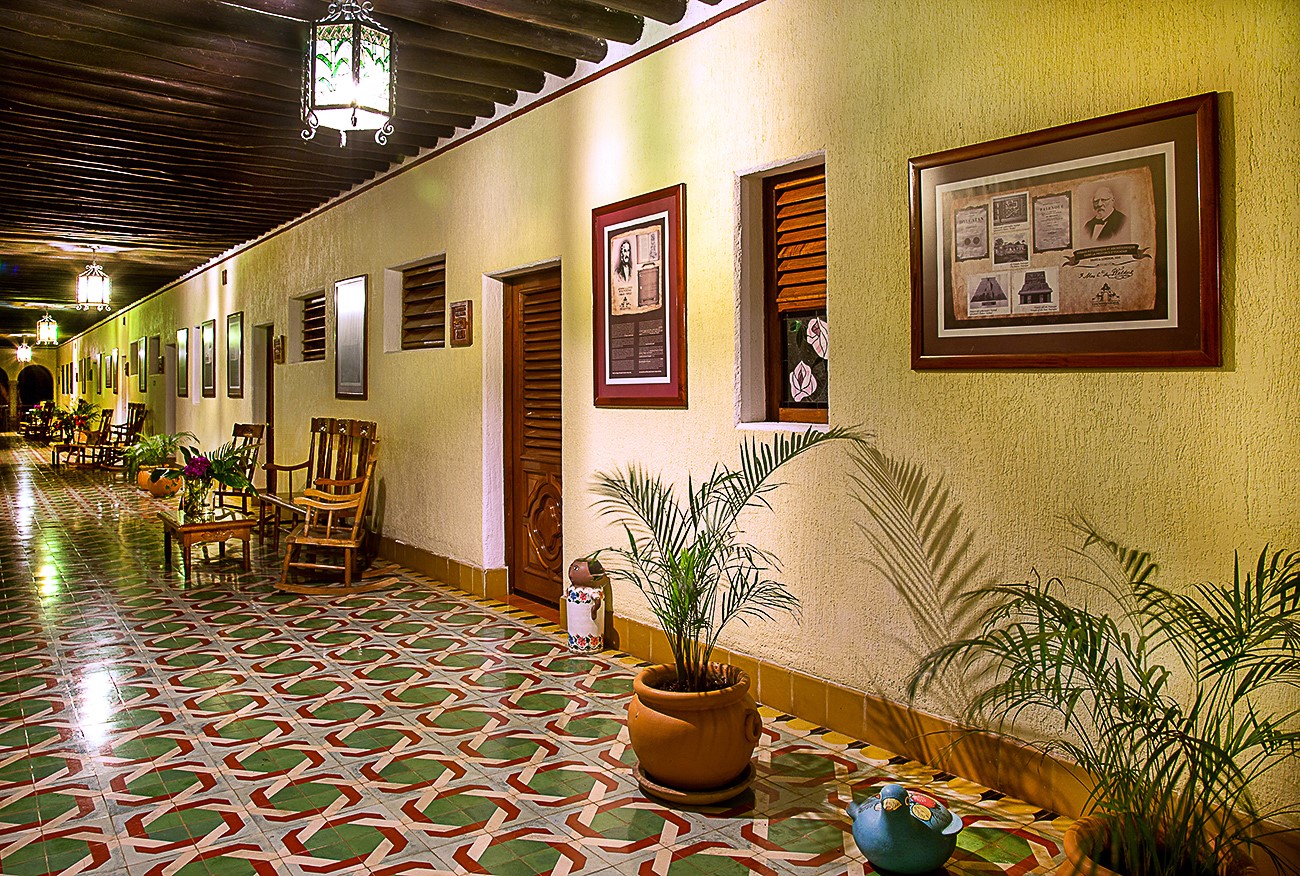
<point>151,452</point>
<point>1155,692</point>
<point>693,724</point>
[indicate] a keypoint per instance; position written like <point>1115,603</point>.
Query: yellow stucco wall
<point>1191,463</point>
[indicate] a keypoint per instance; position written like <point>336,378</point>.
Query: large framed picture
<point>1093,244</point>
<point>208,358</point>
<point>350,363</point>
<point>639,291</point>
<point>182,363</point>
<point>235,355</point>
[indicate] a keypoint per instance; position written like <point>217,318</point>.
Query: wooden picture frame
<point>235,355</point>
<point>208,358</point>
<point>350,354</point>
<point>1089,245</point>
<point>182,363</point>
<point>142,364</point>
<point>98,367</point>
<point>639,300</point>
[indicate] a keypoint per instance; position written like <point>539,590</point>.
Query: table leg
<point>248,563</point>
<point>167,549</point>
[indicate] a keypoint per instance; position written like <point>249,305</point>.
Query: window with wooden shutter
<point>424,305</point>
<point>313,328</point>
<point>794,233</point>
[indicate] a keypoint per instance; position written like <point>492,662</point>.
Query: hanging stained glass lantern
<point>24,351</point>
<point>47,330</point>
<point>94,288</point>
<point>349,80</point>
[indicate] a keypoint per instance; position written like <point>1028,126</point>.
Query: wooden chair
<point>123,435</point>
<point>86,449</point>
<point>245,435</point>
<point>337,456</point>
<point>332,522</point>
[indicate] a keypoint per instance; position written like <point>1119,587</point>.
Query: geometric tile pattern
<point>154,726</point>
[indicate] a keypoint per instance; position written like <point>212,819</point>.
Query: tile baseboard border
<point>475,580</point>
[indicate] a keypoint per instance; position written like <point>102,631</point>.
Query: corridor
<point>152,727</point>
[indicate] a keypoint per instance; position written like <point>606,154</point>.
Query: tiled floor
<point>153,727</point>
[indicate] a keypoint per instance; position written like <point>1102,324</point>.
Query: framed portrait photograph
<point>639,292</point>
<point>182,363</point>
<point>350,338</point>
<point>235,355</point>
<point>142,364</point>
<point>1089,245</point>
<point>208,358</point>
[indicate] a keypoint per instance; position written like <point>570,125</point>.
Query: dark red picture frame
<point>1191,308</point>
<point>664,209</point>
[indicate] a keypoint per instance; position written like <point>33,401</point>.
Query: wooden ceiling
<point>167,131</point>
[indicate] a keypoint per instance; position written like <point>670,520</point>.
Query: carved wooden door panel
<point>534,529</point>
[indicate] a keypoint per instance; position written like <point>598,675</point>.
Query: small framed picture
<point>235,355</point>
<point>182,363</point>
<point>208,363</point>
<point>350,338</point>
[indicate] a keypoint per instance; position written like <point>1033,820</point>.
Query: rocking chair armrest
<point>317,504</point>
<point>339,482</point>
<point>271,466</point>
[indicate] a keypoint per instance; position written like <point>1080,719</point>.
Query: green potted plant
<point>151,452</point>
<point>229,465</point>
<point>692,723</point>
<point>1155,692</point>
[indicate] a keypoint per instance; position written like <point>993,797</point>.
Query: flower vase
<point>195,495</point>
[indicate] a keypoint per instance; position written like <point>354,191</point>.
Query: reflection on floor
<point>153,727</point>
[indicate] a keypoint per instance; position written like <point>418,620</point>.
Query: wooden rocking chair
<point>334,521</point>
<point>123,435</point>
<point>337,454</point>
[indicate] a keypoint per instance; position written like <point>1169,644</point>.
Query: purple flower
<point>197,467</point>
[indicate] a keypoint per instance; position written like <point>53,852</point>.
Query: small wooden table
<point>222,525</point>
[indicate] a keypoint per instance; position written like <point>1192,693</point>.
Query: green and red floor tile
<point>157,728</point>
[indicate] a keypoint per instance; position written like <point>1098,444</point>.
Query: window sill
<point>782,427</point>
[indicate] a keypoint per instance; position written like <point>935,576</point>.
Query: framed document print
<point>142,364</point>
<point>1094,244</point>
<point>208,361</point>
<point>350,338</point>
<point>235,355</point>
<point>639,291</point>
<point>182,363</point>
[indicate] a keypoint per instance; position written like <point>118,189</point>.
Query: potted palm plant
<point>229,465</point>
<point>152,452</point>
<point>1158,693</point>
<point>692,723</point>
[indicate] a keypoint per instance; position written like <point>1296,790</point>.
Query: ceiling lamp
<point>349,77</point>
<point>24,351</point>
<point>47,330</point>
<point>93,286</point>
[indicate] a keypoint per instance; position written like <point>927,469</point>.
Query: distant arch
<point>4,401</point>
<point>35,385</point>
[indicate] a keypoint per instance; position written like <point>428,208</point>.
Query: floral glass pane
<point>804,359</point>
<point>334,64</point>
<point>373,90</point>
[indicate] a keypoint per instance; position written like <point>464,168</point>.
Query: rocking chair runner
<point>333,521</point>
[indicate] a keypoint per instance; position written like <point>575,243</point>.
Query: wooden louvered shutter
<point>424,305</point>
<point>794,217</point>
<point>313,328</point>
<point>533,445</point>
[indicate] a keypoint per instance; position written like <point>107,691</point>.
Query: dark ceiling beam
<point>667,11</point>
<point>150,112</point>
<point>83,140</point>
<point>576,16</point>
<point>462,45</point>
<point>449,16</point>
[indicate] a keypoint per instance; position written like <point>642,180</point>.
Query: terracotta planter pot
<point>142,479</point>
<point>692,741</point>
<point>1086,835</point>
<point>164,487</point>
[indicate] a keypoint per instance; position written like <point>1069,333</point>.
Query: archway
<point>4,401</point>
<point>35,385</point>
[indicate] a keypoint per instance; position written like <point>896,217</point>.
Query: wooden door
<point>532,367</point>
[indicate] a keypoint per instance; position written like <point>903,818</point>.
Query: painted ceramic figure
<point>905,831</point>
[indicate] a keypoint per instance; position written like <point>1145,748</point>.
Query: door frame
<point>504,419</point>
